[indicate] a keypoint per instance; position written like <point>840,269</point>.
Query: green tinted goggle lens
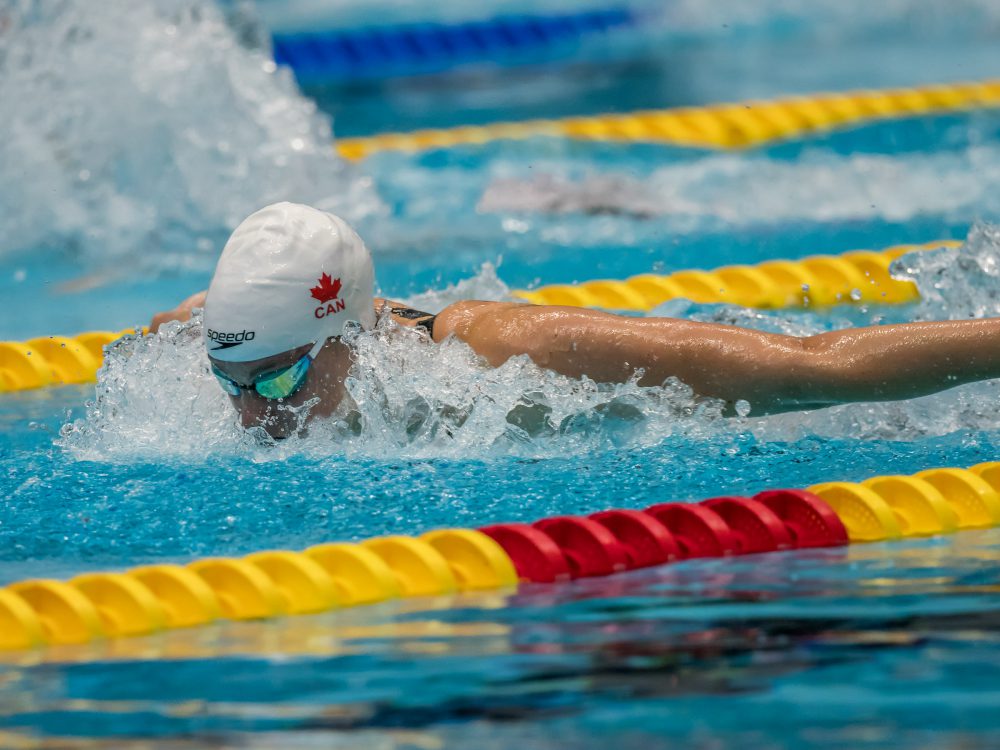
<point>283,383</point>
<point>270,385</point>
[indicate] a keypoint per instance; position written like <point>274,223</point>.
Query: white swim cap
<point>289,275</point>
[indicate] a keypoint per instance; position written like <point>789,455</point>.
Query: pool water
<point>888,645</point>
<point>119,210</point>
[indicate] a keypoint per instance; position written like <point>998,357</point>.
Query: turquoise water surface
<point>112,212</point>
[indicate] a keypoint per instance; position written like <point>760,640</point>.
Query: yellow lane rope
<point>729,126</point>
<point>53,360</point>
<point>860,276</point>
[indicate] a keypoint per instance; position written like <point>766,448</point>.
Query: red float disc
<point>535,556</point>
<point>646,541</point>
<point>590,548</point>
<point>810,520</point>
<point>758,528</point>
<point>699,531</point>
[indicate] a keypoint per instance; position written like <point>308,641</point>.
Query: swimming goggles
<point>276,384</point>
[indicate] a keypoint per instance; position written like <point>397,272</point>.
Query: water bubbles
<point>956,283</point>
<point>856,295</point>
<point>143,125</point>
<point>412,398</point>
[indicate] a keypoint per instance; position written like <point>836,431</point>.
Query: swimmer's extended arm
<point>182,312</point>
<point>772,371</point>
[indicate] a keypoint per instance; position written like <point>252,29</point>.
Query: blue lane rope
<point>380,52</point>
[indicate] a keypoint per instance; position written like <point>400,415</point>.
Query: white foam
<point>156,398</point>
<point>144,125</point>
<point>731,190</point>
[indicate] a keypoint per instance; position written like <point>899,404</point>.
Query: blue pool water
<point>110,213</point>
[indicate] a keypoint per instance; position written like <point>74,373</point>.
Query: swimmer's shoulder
<point>458,318</point>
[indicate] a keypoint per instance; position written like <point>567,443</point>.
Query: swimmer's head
<point>289,280</point>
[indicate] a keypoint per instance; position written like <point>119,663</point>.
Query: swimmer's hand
<point>182,312</point>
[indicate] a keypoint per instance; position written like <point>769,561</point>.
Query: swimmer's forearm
<point>772,371</point>
<point>885,363</point>
<point>182,312</point>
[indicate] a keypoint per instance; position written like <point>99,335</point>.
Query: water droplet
<point>742,408</point>
<point>856,295</point>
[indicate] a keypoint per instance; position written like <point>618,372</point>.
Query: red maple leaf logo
<point>327,290</point>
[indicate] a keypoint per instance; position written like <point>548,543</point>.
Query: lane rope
<point>278,583</point>
<point>856,277</point>
<point>859,276</point>
<point>54,360</point>
<point>716,126</point>
<point>338,55</point>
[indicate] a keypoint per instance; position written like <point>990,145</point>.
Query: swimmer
<point>291,277</point>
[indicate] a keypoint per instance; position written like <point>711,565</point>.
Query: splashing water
<point>145,124</point>
<point>954,284</point>
<point>740,191</point>
<point>156,398</point>
<point>412,398</point>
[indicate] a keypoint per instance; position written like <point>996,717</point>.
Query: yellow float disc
<point>95,341</point>
<point>67,616</point>
<point>125,606</point>
<point>798,285</point>
<point>836,275</point>
<point>302,581</point>
<point>360,576</point>
<point>22,367</point>
<point>700,286</point>
<point>70,361</point>
<point>751,287</point>
<point>751,128</point>
<point>655,289</point>
<point>419,568</point>
<point>562,294</point>
<point>665,126</point>
<point>974,500</point>
<point>990,472</point>
<point>785,121</point>
<point>865,515</point>
<point>616,295</point>
<point>476,561</point>
<point>186,598</point>
<point>880,286</point>
<point>707,129</point>
<point>19,625</point>
<point>245,592</point>
<point>919,507</point>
